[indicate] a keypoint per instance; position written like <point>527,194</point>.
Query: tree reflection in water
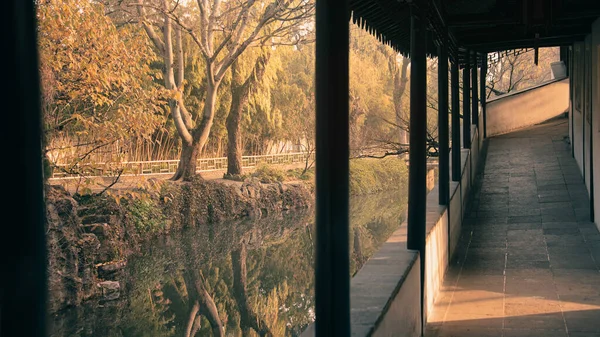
<point>242,278</point>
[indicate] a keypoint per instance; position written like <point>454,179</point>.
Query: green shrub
<point>299,174</point>
<point>369,175</point>
<point>235,177</point>
<point>145,214</point>
<point>268,174</point>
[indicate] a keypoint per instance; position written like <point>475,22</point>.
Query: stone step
<point>111,290</point>
<point>86,210</point>
<point>89,241</point>
<point>108,270</point>
<point>97,218</point>
<point>99,229</point>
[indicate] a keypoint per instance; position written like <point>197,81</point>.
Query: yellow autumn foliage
<point>97,83</point>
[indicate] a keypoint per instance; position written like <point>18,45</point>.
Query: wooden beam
<point>479,20</point>
<point>491,46</point>
<point>518,33</point>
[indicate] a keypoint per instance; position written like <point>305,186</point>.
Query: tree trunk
<point>240,93</point>
<point>400,81</point>
<point>198,295</point>
<point>209,309</point>
<point>187,162</point>
<point>239,98</point>
<point>248,318</point>
<point>234,149</point>
<point>192,319</point>
<point>189,153</point>
<point>197,326</point>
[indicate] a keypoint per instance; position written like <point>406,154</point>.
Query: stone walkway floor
<point>528,261</point>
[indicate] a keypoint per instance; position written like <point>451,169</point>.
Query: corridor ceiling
<point>479,25</point>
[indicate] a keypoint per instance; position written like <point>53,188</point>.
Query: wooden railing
<point>133,168</point>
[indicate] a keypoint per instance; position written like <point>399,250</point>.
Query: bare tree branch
<point>158,43</point>
<point>386,154</point>
<point>113,183</point>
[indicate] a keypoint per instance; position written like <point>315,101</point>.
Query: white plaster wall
<point>588,127</point>
<point>456,217</point>
<point>476,145</point>
<point>571,95</point>
<point>444,225</point>
<point>436,258</point>
<point>465,182</point>
<point>577,138</point>
<point>577,112</point>
<point>596,114</point>
<point>586,155</point>
<point>570,116</point>
<point>403,317</point>
<point>527,108</point>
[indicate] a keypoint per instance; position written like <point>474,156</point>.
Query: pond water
<point>242,278</point>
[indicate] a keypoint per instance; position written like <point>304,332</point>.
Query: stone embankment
<point>90,238</point>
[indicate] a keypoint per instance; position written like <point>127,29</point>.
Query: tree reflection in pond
<point>243,278</point>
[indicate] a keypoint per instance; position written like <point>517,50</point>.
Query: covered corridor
<point>527,262</point>
<point>526,265</point>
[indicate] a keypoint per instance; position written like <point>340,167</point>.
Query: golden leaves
<point>95,77</point>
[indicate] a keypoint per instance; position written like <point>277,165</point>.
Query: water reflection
<point>244,278</point>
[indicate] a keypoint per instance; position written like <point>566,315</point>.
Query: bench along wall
<point>385,293</point>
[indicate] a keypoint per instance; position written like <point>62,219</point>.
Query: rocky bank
<point>89,238</point>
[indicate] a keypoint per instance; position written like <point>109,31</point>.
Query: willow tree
<point>222,31</point>
<point>371,92</point>
<point>398,66</point>
<point>379,99</point>
<point>241,87</point>
<point>295,32</point>
<point>292,98</point>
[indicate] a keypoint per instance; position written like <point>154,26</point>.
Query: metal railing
<point>134,168</point>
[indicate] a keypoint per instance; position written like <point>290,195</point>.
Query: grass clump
<point>145,214</point>
<point>263,172</point>
<point>368,175</point>
<point>268,174</point>
<point>300,174</point>
<point>235,177</point>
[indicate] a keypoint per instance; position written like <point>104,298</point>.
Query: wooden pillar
<point>23,284</point>
<point>564,56</point>
<point>455,120</point>
<point>444,161</point>
<point>475,89</point>
<point>572,97</point>
<point>483,92</point>
<point>417,185</point>
<point>467,103</point>
<point>332,270</point>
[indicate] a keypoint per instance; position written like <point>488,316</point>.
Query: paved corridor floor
<point>528,258</point>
